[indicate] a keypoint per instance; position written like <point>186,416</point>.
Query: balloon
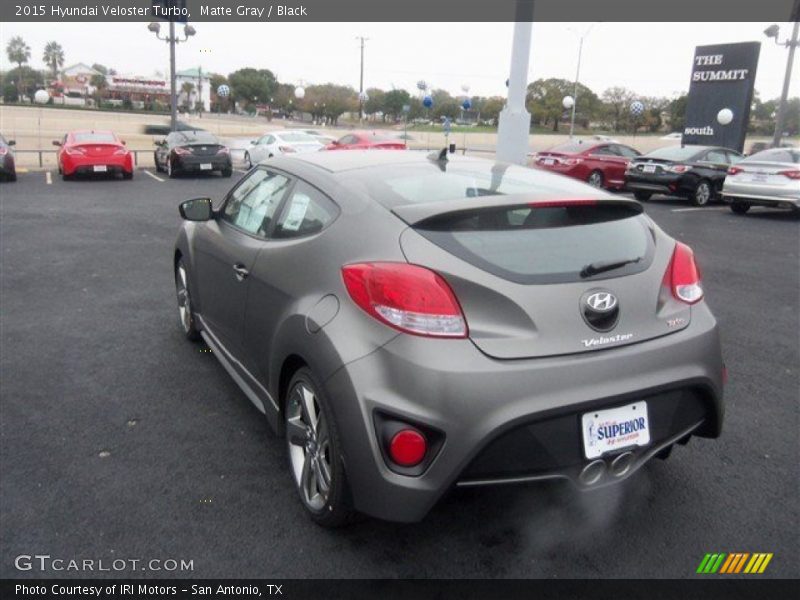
<point>427,101</point>
<point>467,104</point>
<point>41,97</point>
<point>299,92</point>
<point>637,108</point>
<point>568,102</point>
<point>223,91</point>
<point>724,117</point>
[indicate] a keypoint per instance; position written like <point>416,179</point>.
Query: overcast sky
<point>653,59</point>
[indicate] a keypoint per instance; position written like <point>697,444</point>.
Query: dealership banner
<point>710,11</point>
<point>720,93</point>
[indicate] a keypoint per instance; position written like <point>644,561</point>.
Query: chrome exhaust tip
<point>592,472</point>
<point>622,464</point>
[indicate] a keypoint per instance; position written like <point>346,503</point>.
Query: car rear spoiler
<point>416,214</point>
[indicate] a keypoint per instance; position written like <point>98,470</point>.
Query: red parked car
<point>601,164</point>
<point>366,140</point>
<point>84,152</point>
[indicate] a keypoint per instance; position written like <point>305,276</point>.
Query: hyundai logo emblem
<point>602,302</point>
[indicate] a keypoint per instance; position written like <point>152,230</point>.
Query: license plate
<point>759,177</point>
<point>615,428</point>
<point>649,169</point>
<point>205,167</point>
<point>100,168</point>
<point>548,161</point>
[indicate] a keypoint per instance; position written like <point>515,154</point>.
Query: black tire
<point>227,172</point>
<point>738,207</point>
<point>12,176</point>
<point>336,508</point>
<point>703,193</point>
<point>596,179</point>
<point>172,170</point>
<point>65,177</point>
<point>247,161</point>
<point>159,168</point>
<point>664,453</point>
<point>642,196</point>
<point>127,176</point>
<point>187,318</point>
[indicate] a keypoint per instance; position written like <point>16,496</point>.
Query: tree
<point>99,83</point>
<point>617,102</point>
<point>676,109</point>
<point>546,98</point>
<point>375,102</point>
<point>329,101</point>
<point>393,103</point>
<point>187,88</point>
<point>18,52</point>
<point>252,85</point>
<point>490,108</point>
<point>53,57</point>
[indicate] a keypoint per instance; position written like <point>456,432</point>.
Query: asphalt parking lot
<point>121,440</point>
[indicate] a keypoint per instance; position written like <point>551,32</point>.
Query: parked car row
<point>702,174</point>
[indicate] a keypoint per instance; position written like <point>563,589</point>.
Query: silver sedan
<point>768,178</point>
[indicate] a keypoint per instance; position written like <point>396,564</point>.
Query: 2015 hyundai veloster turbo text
<point>411,324</point>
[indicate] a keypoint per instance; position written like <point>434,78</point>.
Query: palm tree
<point>53,57</point>
<point>18,52</point>
<point>187,88</point>
<point>99,83</point>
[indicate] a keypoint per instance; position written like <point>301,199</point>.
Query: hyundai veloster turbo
<point>411,323</point>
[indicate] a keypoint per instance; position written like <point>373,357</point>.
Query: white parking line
<point>48,177</point>
<point>156,177</point>
<point>700,208</point>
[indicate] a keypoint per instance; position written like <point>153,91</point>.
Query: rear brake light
<point>181,150</point>
<point>571,161</point>
<point>563,203</point>
<point>286,149</point>
<point>407,297</point>
<point>684,275</point>
<point>734,170</point>
<point>791,174</point>
<point>121,150</point>
<point>408,447</point>
<point>679,168</point>
<point>74,150</point>
<point>223,150</point>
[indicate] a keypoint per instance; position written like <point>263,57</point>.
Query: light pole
<point>772,32</point>
<point>514,124</point>
<point>361,81</point>
<point>172,40</point>
<point>577,76</point>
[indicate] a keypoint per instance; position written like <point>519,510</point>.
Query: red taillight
<point>563,203</point>
<point>182,150</point>
<point>791,174</point>
<point>679,168</point>
<point>407,297</point>
<point>571,162</point>
<point>3,151</point>
<point>408,448</point>
<point>286,149</point>
<point>74,150</point>
<point>223,150</point>
<point>684,275</point>
<point>122,150</point>
<point>734,170</point>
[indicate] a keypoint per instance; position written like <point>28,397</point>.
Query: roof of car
<point>335,161</point>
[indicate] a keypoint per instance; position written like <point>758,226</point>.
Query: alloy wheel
<point>309,445</point>
<point>702,194</point>
<point>184,300</point>
<point>596,179</point>
<point>247,160</point>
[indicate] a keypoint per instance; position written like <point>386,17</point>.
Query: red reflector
<point>685,275</point>
<point>408,448</point>
<point>562,203</point>
<point>407,297</point>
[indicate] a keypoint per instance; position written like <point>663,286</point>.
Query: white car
<point>280,142</point>
<point>320,137</point>
<point>767,178</point>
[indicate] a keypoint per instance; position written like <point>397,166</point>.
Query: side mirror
<point>124,143</point>
<point>56,143</point>
<point>196,209</point>
<point>158,142</point>
<point>12,142</point>
<point>335,143</point>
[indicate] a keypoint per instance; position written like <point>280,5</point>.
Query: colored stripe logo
<point>735,562</point>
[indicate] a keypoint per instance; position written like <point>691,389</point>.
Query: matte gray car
<point>411,324</point>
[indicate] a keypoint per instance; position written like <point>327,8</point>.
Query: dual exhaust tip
<point>596,470</point>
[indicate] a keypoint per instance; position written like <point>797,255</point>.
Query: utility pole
<point>515,120</point>
<point>173,95</point>
<point>792,44</point>
<point>577,77</point>
<point>361,81</point>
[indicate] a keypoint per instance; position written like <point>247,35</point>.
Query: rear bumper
<point>657,184</point>
<point>478,404</point>
<point>85,164</point>
<point>196,163</point>
<point>771,201</point>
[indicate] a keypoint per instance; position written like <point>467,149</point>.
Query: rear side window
<point>252,206</point>
<point>531,245</point>
<point>307,212</point>
<point>783,155</point>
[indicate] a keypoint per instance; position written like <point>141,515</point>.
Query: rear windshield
<point>782,155</point>
<point>94,137</point>
<point>674,153</point>
<point>195,137</point>
<point>531,245</point>
<point>570,147</point>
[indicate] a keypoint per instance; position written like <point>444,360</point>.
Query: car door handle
<point>241,271</point>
